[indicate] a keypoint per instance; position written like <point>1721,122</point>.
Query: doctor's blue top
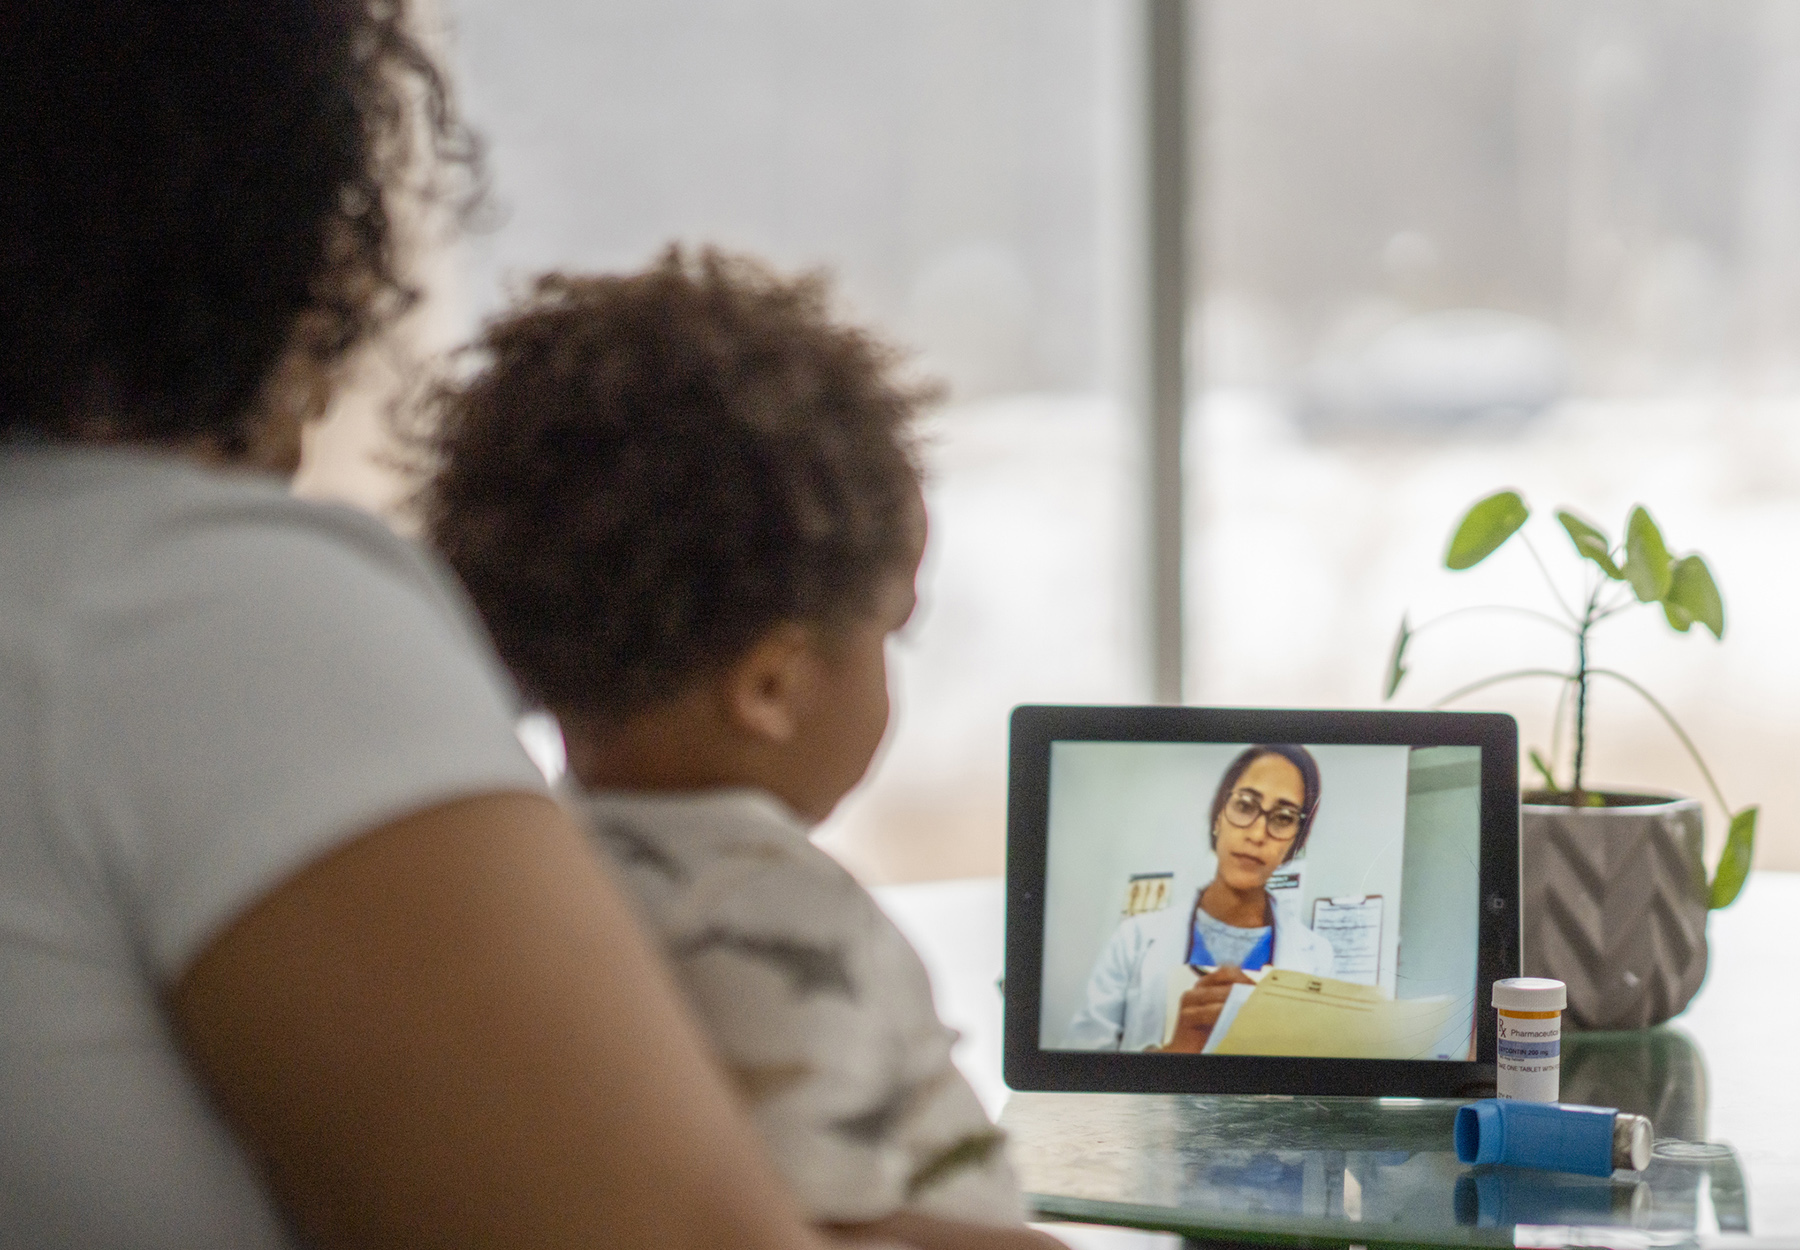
<point>1127,992</point>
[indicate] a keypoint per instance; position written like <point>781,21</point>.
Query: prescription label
<point>1528,1062</point>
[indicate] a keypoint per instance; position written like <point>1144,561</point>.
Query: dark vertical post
<point>1166,173</point>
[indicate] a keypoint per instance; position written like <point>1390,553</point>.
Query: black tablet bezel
<point>1034,728</point>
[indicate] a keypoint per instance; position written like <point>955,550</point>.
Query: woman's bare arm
<point>449,1032</point>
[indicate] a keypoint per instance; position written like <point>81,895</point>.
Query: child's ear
<point>768,691</point>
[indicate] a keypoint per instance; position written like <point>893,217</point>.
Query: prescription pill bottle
<point>1528,1062</point>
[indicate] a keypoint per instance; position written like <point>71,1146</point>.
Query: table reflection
<point>1310,1167</point>
<point>1656,1073</point>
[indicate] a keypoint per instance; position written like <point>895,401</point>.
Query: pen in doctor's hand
<point>1200,1008</point>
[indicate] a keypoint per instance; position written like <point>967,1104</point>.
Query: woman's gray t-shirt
<point>205,684</point>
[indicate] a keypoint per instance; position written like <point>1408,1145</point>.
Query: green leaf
<point>1396,665</point>
<point>1537,762</point>
<point>1647,564</point>
<point>1590,542</point>
<point>1694,596</point>
<point>1484,527</point>
<point>1734,860</point>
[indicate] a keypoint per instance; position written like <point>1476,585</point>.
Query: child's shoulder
<point>734,873</point>
<point>716,842</point>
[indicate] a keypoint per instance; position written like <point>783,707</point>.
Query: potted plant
<point>1615,890</point>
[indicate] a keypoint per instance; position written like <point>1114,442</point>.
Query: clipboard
<point>1296,1014</point>
<point>1353,927</point>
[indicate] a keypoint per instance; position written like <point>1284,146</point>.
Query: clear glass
<point>1716,1083</point>
<point>1367,1169</point>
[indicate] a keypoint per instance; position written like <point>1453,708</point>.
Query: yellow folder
<point>1295,1013</point>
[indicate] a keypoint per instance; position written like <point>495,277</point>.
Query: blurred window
<point>1445,249</point>
<point>954,165</point>
<point>1440,249</point>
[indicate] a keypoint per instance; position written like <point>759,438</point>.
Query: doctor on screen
<point>1262,813</point>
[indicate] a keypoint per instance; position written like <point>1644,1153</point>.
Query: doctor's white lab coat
<point>1127,993</point>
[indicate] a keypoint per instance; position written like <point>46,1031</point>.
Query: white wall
<point>1119,808</point>
<point>1358,837</point>
<point>1440,918</point>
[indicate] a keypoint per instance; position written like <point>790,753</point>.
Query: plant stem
<point>1588,618</point>
<point>1614,608</point>
<point>1581,697</point>
<point>1669,719</point>
<point>1485,682</point>
<point>1548,580</point>
<point>1545,617</point>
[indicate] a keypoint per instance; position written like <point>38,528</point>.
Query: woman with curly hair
<point>294,948</point>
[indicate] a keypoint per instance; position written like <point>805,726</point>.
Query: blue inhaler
<point>1593,1141</point>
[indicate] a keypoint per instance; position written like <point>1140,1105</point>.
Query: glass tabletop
<point>1719,1085</point>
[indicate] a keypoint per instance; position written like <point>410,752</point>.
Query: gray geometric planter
<point>1614,904</point>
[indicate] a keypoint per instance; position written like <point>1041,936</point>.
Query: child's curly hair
<point>650,471</point>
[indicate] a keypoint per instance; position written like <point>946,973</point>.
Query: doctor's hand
<point>1200,1008</point>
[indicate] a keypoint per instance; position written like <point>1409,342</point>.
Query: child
<point>688,506</point>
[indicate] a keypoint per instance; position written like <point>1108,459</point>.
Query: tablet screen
<point>1276,898</point>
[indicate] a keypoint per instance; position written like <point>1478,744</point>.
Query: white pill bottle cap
<point>1530,994</point>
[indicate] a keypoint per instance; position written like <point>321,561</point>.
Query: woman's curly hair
<point>650,471</point>
<point>188,192</point>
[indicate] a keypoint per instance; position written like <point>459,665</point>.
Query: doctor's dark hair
<point>647,472</point>
<point>192,195</point>
<point>1301,759</point>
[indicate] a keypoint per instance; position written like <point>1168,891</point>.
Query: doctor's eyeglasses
<point>1244,806</point>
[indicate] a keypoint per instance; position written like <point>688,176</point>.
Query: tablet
<point>1222,900</point>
